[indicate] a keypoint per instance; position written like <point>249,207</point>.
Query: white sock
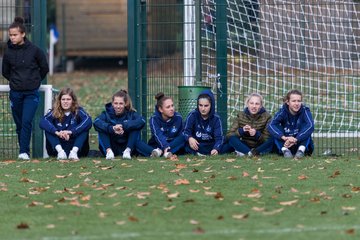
<point>283,149</point>
<point>75,149</point>
<point>59,148</point>
<point>301,148</point>
<point>127,149</point>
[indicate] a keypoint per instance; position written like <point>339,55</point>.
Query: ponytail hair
<point>124,94</point>
<point>160,99</point>
<point>19,24</point>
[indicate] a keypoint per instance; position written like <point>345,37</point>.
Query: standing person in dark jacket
<point>166,130</point>
<point>248,134</point>
<point>203,129</point>
<point>118,127</point>
<point>67,127</point>
<point>292,127</point>
<point>24,66</point>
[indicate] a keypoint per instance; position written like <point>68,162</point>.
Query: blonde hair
<point>254,95</point>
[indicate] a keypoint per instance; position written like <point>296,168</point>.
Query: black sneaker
<point>299,154</point>
<point>288,154</point>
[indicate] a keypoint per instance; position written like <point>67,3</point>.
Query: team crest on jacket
<point>174,129</point>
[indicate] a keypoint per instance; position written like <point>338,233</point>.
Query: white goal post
<point>48,97</point>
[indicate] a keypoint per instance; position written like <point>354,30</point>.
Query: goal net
<point>274,46</point>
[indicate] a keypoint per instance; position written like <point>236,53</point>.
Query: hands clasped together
<point>64,134</point>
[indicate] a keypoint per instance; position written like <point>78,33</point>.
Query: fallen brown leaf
<point>182,182</point>
<point>289,203</point>
<point>22,226</point>
<point>240,216</point>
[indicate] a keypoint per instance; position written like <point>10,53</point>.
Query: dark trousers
<point>308,143</point>
<point>206,149</point>
<point>117,144</point>
<point>81,141</point>
<point>176,146</point>
<point>241,146</point>
<point>23,108</point>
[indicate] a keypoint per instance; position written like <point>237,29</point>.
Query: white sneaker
<point>23,156</point>
<point>61,155</point>
<point>168,155</point>
<point>73,155</point>
<point>156,152</point>
<point>200,154</point>
<point>239,154</point>
<point>110,155</point>
<point>127,154</point>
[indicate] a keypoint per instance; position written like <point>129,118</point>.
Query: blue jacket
<point>300,126</point>
<point>206,132</point>
<point>163,132</point>
<point>24,66</point>
<point>130,120</point>
<point>76,124</point>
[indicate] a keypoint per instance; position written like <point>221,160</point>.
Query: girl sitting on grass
<point>248,134</point>
<point>118,127</point>
<point>292,127</point>
<point>203,130</point>
<point>67,127</point>
<point>166,130</point>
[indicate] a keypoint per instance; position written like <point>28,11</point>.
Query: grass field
<point>189,198</point>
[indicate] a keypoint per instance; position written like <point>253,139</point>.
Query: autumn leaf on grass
<point>50,226</point>
<point>102,215</point>
<point>240,216</point>
<point>173,195</point>
<point>302,177</point>
<point>335,174</point>
<point>28,180</point>
<point>142,195</point>
<point>273,212</point>
<point>96,161</point>
<point>355,189</point>
<point>22,226</point>
<point>219,196</point>
<point>34,204</point>
<point>350,231</point>
<point>169,208</point>
<point>348,208</point>
<point>245,174</point>
<point>255,193</point>
<point>192,221</point>
<point>199,230</point>
<point>133,219</point>
<point>289,203</point>
<point>129,180</point>
<point>230,160</point>
<point>258,209</point>
<point>120,222</point>
<point>142,204</point>
<point>86,198</point>
<point>82,174</point>
<point>106,167</point>
<point>182,182</point>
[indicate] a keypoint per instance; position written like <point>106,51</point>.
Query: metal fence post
<point>221,60</point>
<point>39,33</point>
<point>133,53</point>
<point>143,59</point>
